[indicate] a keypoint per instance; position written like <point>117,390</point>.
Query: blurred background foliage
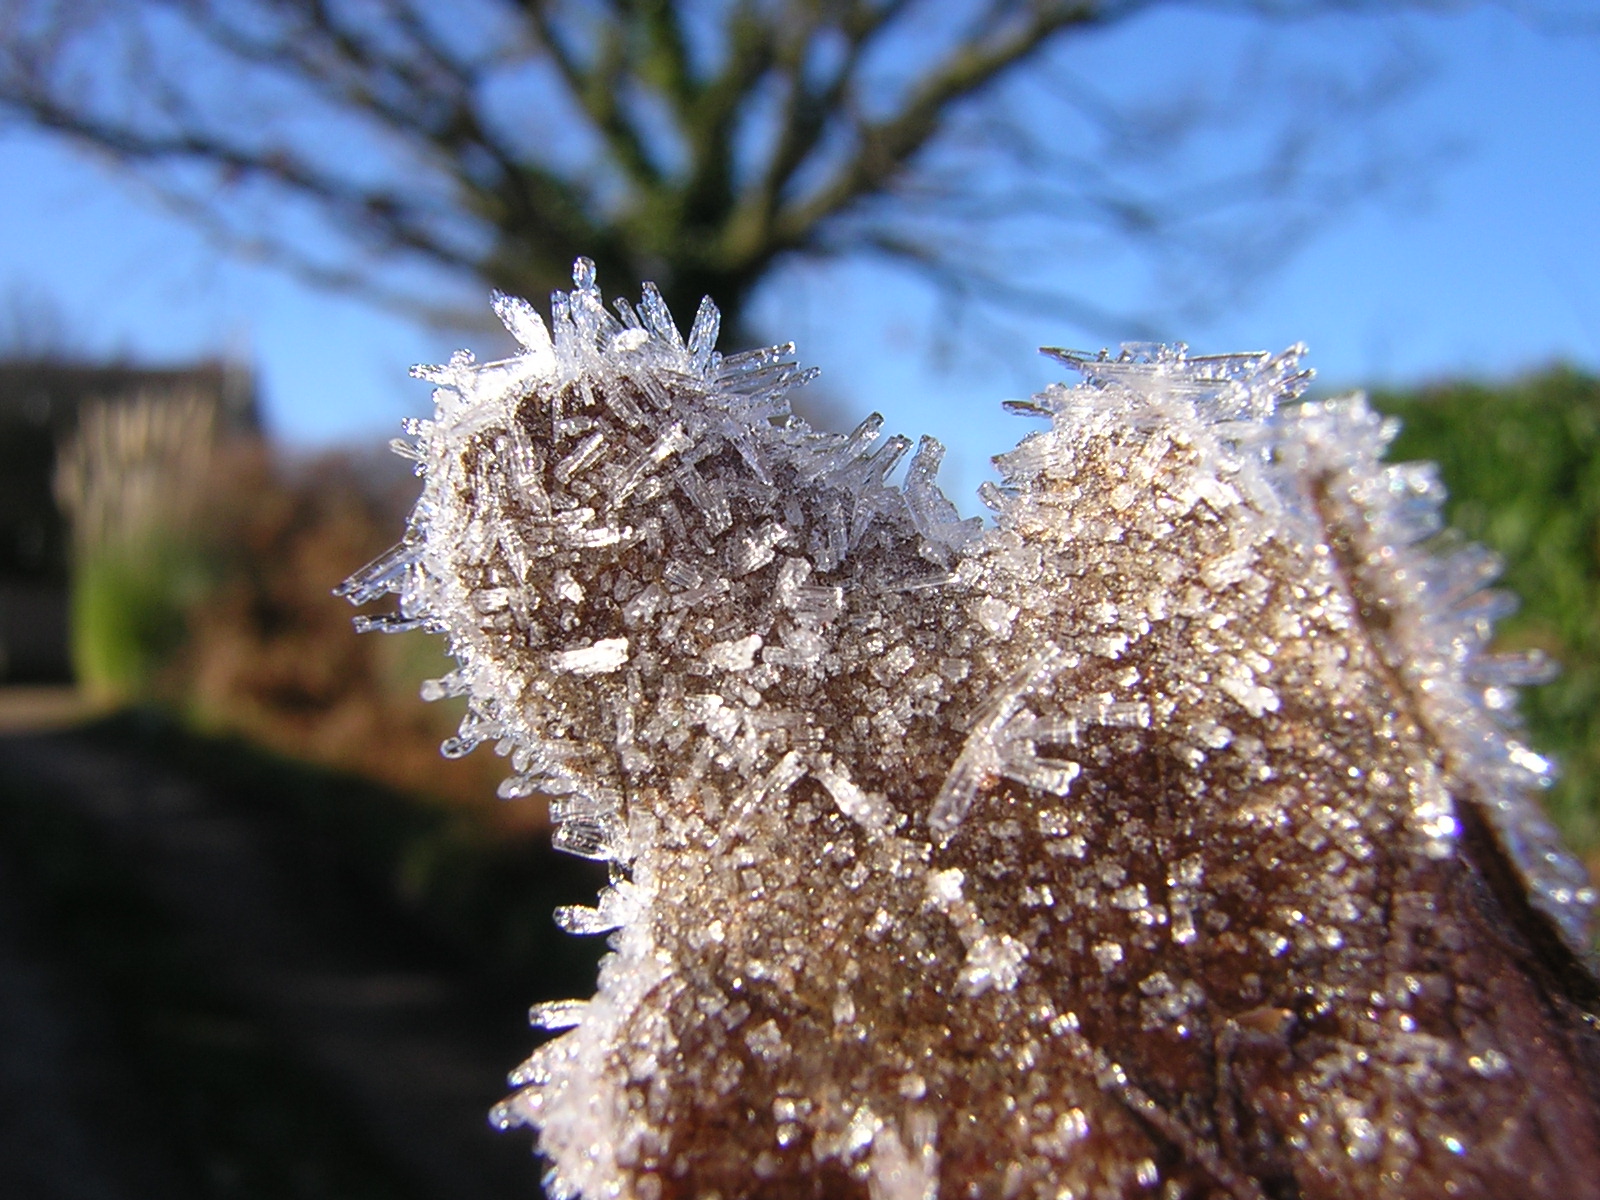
<point>202,569</point>
<point>131,482</point>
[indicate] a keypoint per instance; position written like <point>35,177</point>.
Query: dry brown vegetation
<point>270,653</point>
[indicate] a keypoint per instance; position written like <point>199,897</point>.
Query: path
<point>403,1038</point>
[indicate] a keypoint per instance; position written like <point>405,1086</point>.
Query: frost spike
<point>703,337</point>
<point>527,326</point>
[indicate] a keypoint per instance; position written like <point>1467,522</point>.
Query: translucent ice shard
<point>1164,838</point>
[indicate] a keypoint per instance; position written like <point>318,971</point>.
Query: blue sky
<point>1485,265</point>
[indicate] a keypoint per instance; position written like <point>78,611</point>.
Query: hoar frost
<point>1154,840</point>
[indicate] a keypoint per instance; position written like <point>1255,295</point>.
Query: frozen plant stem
<point>1166,839</point>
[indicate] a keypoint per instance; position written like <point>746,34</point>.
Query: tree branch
<point>700,174</point>
<point>886,146</point>
<point>809,109</point>
<point>598,87</point>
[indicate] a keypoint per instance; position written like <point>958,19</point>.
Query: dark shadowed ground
<point>225,976</point>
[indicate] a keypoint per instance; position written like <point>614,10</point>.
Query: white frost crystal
<point>1155,841</point>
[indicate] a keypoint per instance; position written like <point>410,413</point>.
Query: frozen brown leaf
<point>1170,837</point>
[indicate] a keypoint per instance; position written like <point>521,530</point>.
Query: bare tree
<point>696,144</point>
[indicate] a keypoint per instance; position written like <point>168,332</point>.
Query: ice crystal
<point>1158,839</point>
